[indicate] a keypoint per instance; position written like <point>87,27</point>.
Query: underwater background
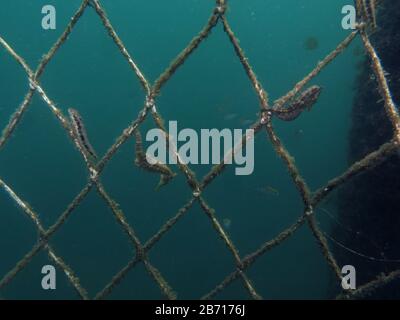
<point>283,40</point>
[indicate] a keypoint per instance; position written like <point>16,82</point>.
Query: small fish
<point>221,109</point>
<point>305,101</point>
<point>269,190</point>
<point>311,43</point>
<point>246,122</point>
<point>230,116</point>
<point>79,132</point>
<point>227,223</point>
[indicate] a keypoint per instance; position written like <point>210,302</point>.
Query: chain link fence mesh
<point>366,13</point>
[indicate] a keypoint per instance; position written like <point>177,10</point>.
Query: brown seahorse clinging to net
<point>166,174</point>
<point>304,101</point>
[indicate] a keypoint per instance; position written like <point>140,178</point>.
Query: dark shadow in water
<point>311,43</point>
<point>369,203</point>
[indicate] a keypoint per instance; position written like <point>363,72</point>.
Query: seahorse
<point>305,101</point>
<point>79,133</point>
<point>156,166</point>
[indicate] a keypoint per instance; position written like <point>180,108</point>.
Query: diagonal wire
<point>72,278</point>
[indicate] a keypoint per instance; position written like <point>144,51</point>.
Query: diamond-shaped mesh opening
<point>34,153</point>
<point>263,125</point>
<point>372,240</point>
<point>15,87</point>
<point>275,202</point>
<point>93,247</point>
<point>156,28</point>
<point>13,223</point>
<point>287,280</point>
<point>199,258</point>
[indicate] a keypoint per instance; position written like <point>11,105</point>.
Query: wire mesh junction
<point>310,199</point>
